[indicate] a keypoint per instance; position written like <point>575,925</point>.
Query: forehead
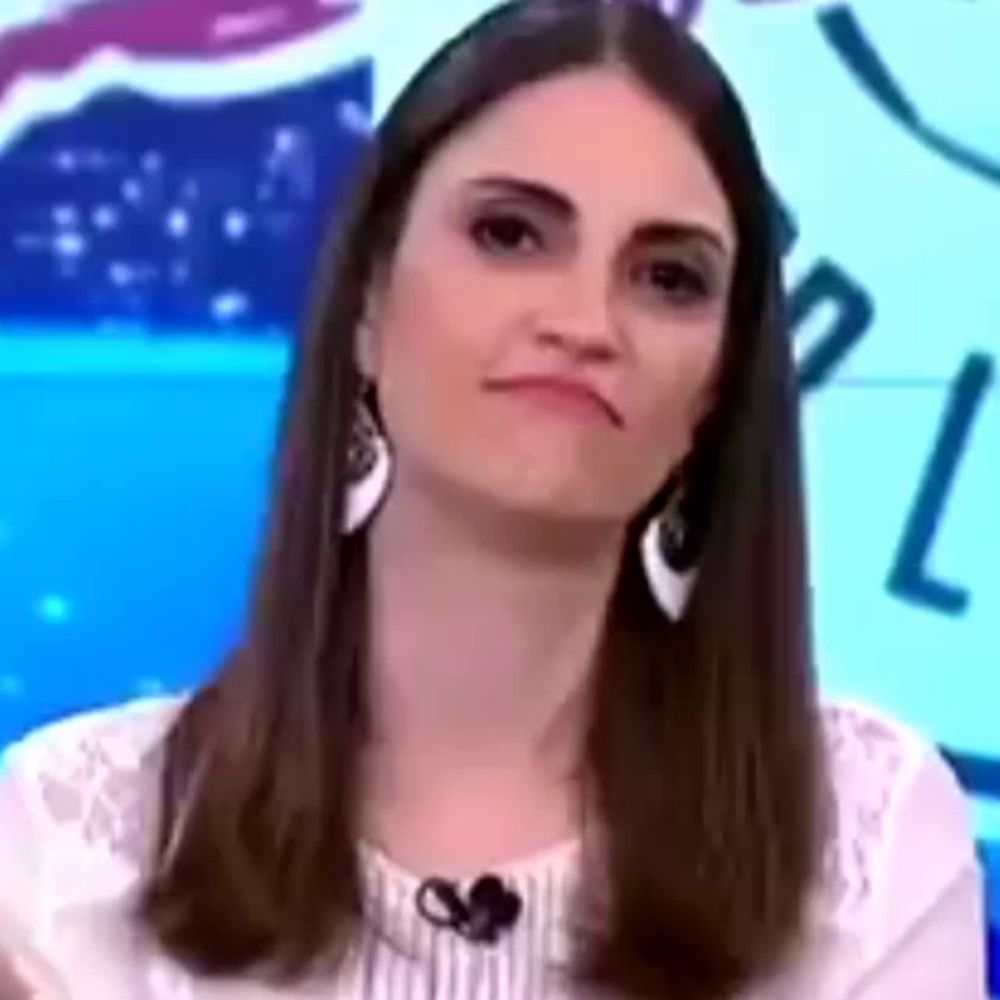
<point>599,137</point>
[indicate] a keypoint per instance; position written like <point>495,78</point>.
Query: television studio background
<point>164,168</point>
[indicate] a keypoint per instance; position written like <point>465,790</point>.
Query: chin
<point>560,505</point>
<point>546,496</point>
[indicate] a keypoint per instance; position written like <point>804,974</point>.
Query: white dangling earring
<point>667,559</point>
<point>369,469</point>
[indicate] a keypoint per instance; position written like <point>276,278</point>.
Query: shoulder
<point>81,793</point>
<point>117,733</point>
<point>900,827</point>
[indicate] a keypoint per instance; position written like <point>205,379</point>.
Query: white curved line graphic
<point>36,97</point>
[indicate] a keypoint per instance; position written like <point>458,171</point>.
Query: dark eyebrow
<point>680,232</point>
<point>556,203</point>
<point>548,198</point>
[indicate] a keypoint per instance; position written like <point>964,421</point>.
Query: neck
<point>485,626</point>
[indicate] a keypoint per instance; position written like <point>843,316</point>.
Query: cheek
<point>681,389</point>
<point>430,355</point>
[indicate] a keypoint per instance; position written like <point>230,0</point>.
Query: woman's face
<point>573,231</point>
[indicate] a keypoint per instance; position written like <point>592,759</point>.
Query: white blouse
<point>898,913</point>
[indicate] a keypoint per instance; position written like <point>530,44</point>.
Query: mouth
<point>563,395</point>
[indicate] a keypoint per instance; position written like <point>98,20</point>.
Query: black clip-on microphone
<point>490,908</point>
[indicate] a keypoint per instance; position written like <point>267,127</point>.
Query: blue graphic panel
<point>140,215</point>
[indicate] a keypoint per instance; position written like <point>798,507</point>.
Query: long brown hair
<point>702,752</point>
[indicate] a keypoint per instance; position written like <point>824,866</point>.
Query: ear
<point>701,410</point>
<point>367,341</point>
<point>704,403</point>
<point>366,350</point>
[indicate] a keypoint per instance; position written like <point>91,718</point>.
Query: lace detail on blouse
<point>92,782</point>
<point>872,760</point>
<point>101,797</point>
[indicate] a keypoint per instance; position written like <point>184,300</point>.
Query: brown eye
<point>675,281</point>
<point>505,234</point>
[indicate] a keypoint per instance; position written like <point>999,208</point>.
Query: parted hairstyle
<point>702,753</point>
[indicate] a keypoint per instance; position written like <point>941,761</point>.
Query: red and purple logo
<point>59,56</point>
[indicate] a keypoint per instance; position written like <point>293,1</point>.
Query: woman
<point>533,605</point>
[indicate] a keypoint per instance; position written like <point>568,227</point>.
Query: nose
<point>579,319</point>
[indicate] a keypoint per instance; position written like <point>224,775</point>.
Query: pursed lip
<point>560,383</point>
